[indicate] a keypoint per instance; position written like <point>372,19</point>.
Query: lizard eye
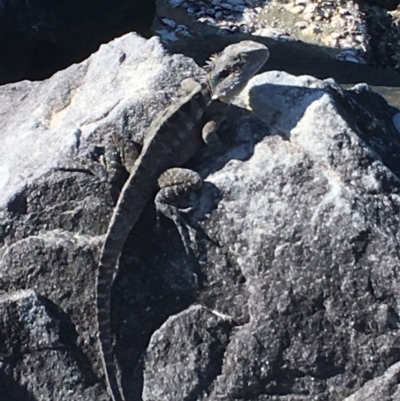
<point>224,74</point>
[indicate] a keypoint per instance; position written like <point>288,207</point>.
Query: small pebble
<point>347,24</point>
<point>300,24</point>
<point>169,22</point>
<point>239,8</point>
<point>227,6</point>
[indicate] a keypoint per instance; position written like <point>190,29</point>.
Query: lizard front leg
<point>110,161</point>
<point>213,118</point>
<point>119,155</point>
<point>175,184</point>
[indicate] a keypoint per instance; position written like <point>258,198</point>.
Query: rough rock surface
<point>51,217</point>
<point>292,290</point>
<point>383,388</point>
<point>37,340</point>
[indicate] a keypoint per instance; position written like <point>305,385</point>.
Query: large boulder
<point>291,291</point>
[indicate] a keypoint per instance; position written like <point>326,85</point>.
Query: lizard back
<point>173,138</point>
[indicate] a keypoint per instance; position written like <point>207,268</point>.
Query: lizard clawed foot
<point>186,232</point>
<point>174,185</point>
<point>118,155</point>
<point>110,161</point>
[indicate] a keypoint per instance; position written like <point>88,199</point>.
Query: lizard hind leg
<point>175,184</point>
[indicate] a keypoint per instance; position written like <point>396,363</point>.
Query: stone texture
<point>55,198</point>
<point>291,292</point>
<point>38,343</point>
<point>383,388</point>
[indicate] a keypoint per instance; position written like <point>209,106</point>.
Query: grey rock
<point>227,6</point>
<point>182,30</point>
<point>55,125</point>
<point>292,292</point>
<point>172,375</point>
<point>34,343</point>
<point>55,201</point>
<point>239,8</point>
<point>168,22</point>
<point>301,212</point>
<point>383,388</point>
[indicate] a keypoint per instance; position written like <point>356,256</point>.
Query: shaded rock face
<point>388,4</point>
<point>38,38</point>
<point>37,345</point>
<point>292,290</point>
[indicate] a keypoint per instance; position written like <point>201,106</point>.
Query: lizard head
<point>228,72</point>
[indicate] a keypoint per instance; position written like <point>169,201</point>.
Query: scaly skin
<point>173,138</point>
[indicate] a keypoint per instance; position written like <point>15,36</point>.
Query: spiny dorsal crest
<point>218,67</point>
<point>208,68</point>
<point>227,73</point>
<point>210,63</point>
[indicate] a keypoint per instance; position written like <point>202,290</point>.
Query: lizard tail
<point>136,191</point>
<point>104,281</point>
